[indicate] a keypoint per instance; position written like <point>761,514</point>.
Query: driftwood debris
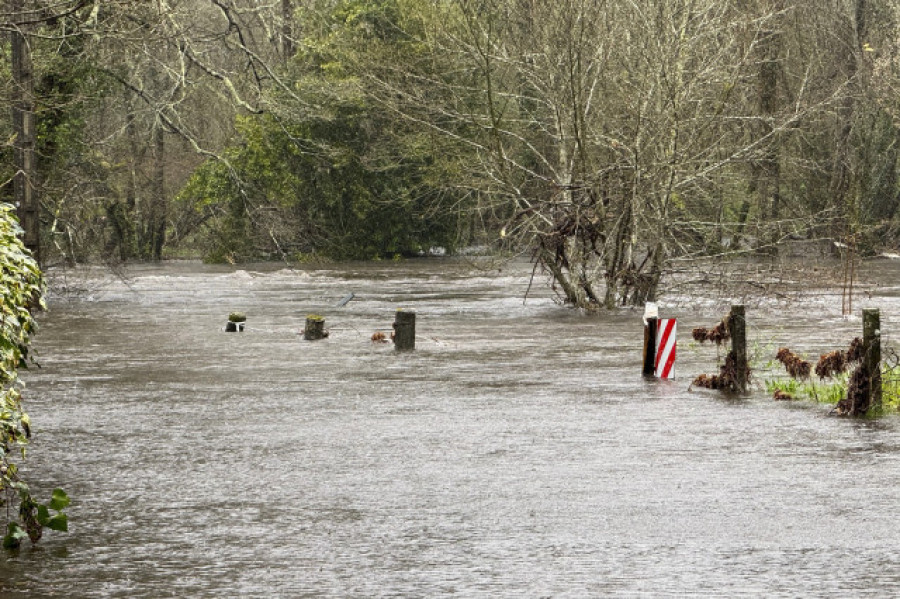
<point>345,300</point>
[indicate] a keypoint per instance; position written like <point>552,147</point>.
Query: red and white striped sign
<point>665,348</point>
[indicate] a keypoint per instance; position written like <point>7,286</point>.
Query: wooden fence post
<point>737,326</point>
<point>405,331</point>
<point>872,355</point>
<point>650,346</point>
<point>236,322</point>
<point>315,328</point>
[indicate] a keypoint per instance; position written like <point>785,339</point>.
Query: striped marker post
<point>666,346</point>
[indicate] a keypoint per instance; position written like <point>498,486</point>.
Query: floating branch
<point>345,300</point>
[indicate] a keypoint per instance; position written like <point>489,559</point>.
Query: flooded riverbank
<point>516,452</point>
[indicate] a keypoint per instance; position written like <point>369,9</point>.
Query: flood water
<point>516,453</point>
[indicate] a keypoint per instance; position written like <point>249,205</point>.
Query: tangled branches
<point>797,367</point>
<point>858,397</point>
<point>837,361</point>
<point>855,351</point>
<point>832,363</point>
<point>719,334</point>
<point>727,379</point>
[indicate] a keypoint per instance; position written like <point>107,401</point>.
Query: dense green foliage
<point>283,192</point>
<point>21,289</point>
<point>345,179</point>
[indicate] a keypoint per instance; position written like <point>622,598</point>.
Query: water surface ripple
<point>517,453</point>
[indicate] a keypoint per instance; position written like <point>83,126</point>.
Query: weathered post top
<point>737,325</point>
<point>315,328</point>
<point>404,331</point>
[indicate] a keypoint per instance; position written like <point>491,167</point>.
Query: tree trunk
<point>24,193</point>
<point>559,276</point>
<point>840,187</point>
<point>767,171</point>
<point>287,29</point>
<point>157,224</point>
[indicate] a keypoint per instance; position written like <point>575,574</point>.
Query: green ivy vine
<point>21,294</point>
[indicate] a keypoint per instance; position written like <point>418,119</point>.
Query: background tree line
<point>611,139</point>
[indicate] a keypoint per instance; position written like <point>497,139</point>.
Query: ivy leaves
<point>35,517</point>
<point>21,291</point>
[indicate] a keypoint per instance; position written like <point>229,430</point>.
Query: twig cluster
<point>719,334</point>
<point>837,361</point>
<point>855,351</point>
<point>857,401</point>
<point>796,366</point>
<point>858,393</point>
<point>832,363</point>
<point>727,379</point>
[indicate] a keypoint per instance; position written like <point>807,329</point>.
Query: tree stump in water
<point>315,328</point>
<point>405,331</point>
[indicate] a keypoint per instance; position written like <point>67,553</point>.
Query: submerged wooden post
<point>236,321</point>
<point>405,331</point>
<point>650,346</point>
<point>872,355</point>
<point>737,326</point>
<point>315,328</point>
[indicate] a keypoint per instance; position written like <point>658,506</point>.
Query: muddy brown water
<point>516,453</point>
